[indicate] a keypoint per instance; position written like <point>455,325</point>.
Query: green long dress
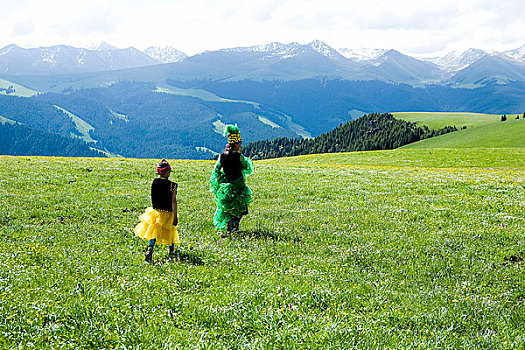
<point>232,198</point>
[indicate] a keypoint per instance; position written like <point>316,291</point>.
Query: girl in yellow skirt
<point>158,223</point>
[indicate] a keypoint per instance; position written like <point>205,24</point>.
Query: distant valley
<point>263,62</point>
<point>162,103</point>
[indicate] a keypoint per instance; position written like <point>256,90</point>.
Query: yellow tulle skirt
<point>159,225</point>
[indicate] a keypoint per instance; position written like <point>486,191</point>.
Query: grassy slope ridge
<point>483,130</point>
<point>364,250</point>
<point>81,125</point>
<point>19,139</point>
<point>436,120</point>
<point>415,158</point>
<point>370,132</point>
<point>20,90</point>
<point>6,121</point>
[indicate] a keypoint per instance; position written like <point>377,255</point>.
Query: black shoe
<point>173,255</point>
<point>235,224</point>
<point>149,254</point>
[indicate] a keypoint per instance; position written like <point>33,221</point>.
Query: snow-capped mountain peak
<point>518,54</point>
<point>362,54</point>
<point>5,50</point>
<point>102,46</point>
<point>293,49</point>
<point>324,49</point>
<point>165,54</point>
<point>457,60</point>
<point>273,48</point>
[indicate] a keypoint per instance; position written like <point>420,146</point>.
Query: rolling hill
<point>129,118</point>
<point>436,120</point>
<point>490,69</point>
<point>13,89</point>
<point>20,140</point>
<point>273,90</point>
<point>475,130</point>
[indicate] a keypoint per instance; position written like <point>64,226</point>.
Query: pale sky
<point>416,27</point>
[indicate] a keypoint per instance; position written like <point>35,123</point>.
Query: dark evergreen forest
<point>20,140</point>
<point>370,132</point>
<point>133,120</point>
<point>321,104</point>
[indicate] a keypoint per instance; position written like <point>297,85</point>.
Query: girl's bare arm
<point>174,206</point>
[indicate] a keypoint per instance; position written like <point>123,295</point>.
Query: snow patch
<point>518,54</point>
<point>323,49</point>
<point>362,54</point>
<point>49,57</point>
<point>456,60</point>
<point>165,54</point>
<point>102,46</point>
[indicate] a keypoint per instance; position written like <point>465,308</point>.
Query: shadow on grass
<point>512,259</point>
<point>186,257</point>
<point>264,234</point>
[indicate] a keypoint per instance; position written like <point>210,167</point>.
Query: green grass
<point>198,93</point>
<point>367,250</point>
<point>481,130</point>
<point>20,90</point>
<point>437,120</point>
<point>4,120</point>
<point>417,158</point>
<point>81,125</point>
<point>510,133</point>
<point>120,116</point>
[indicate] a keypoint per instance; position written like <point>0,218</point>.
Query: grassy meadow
<point>400,249</point>
<point>474,130</point>
<point>20,90</point>
<point>437,120</point>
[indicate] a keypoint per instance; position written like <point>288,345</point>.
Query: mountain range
<point>162,103</point>
<point>268,62</point>
<point>62,59</point>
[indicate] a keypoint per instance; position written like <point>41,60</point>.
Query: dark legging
<point>152,241</point>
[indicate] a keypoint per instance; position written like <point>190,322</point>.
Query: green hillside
<point>19,90</point>
<point>499,134</point>
<point>18,139</point>
<point>436,120</point>
<point>365,250</point>
<point>402,157</point>
<point>81,125</point>
<point>370,132</point>
<point>6,121</point>
<point>481,130</point>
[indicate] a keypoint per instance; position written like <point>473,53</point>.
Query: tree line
<point>370,132</point>
<point>20,140</point>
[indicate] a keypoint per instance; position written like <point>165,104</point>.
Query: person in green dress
<point>228,183</point>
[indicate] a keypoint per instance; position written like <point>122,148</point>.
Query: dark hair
<point>230,146</point>
<point>163,163</point>
<point>163,167</point>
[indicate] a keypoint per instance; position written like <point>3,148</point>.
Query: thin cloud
<point>410,26</point>
<point>21,28</point>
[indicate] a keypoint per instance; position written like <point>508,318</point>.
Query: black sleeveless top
<point>161,194</point>
<point>231,164</point>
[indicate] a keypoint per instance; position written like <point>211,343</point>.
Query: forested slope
<point>370,132</point>
<point>19,140</point>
